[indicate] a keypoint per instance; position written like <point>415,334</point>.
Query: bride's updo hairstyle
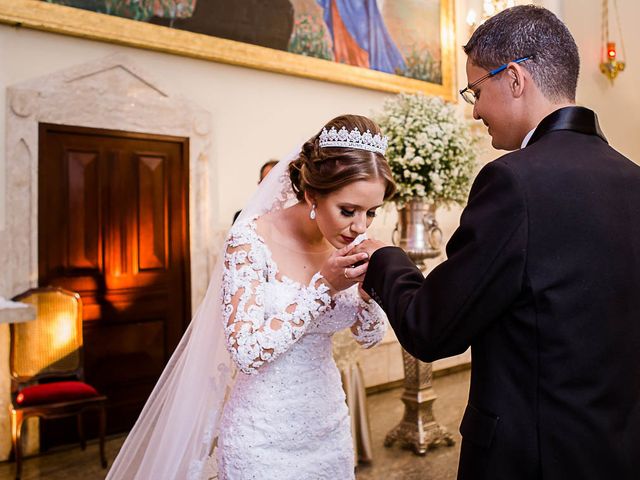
<point>327,169</point>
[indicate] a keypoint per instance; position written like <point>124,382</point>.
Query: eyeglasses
<point>469,95</point>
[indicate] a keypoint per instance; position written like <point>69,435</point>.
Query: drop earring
<point>312,213</point>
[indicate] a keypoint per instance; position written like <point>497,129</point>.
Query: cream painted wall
<point>256,115</point>
<point>617,105</point>
<point>259,115</point>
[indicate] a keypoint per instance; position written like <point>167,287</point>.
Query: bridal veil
<point>175,436</point>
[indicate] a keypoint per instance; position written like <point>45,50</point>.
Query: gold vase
<point>417,231</point>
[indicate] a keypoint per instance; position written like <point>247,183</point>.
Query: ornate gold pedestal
<point>418,429</point>
<point>421,238</point>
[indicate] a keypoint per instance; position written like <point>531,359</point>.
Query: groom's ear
<point>516,75</point>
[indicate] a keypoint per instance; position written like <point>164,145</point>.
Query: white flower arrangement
<point>431,149</point>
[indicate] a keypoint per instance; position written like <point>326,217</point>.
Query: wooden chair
<point>46,365</point>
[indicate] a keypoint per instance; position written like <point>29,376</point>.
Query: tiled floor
<point>385,411</point>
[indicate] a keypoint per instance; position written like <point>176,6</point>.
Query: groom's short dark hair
<point>530,30</point>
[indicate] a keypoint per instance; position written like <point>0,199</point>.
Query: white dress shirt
<point>527,138</point>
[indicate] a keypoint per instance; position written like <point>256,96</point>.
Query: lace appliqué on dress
<point>254,338</point>
<point>370,325</point>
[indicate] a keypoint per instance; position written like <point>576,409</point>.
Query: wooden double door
<point>113,226</point>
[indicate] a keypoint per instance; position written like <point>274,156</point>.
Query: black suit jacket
<point>542,280</point>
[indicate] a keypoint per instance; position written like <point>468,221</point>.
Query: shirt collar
<point>527,138</point>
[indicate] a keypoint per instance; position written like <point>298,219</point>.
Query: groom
<point>542,278</point>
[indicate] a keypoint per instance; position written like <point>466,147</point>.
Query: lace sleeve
<point>254,338</point>
<point>370,325</point>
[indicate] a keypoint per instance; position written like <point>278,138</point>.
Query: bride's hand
<point>339,272</point>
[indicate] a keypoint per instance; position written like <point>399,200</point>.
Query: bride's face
<point>346,213</point>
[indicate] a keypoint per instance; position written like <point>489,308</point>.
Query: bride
<point>286,282</point>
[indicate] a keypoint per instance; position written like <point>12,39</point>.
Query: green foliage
<point>310,38</point>
<point>421,65</point>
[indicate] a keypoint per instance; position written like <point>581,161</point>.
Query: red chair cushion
<point>54,393</point>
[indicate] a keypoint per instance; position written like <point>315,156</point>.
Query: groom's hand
<point>369,246</point>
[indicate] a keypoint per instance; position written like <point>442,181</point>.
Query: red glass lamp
<point>610,66</point>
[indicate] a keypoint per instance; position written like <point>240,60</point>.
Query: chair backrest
<point>50,345</point>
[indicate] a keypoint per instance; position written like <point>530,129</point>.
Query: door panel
<point>84,232</point>
<point>152,208</point>
<point>113,210</point>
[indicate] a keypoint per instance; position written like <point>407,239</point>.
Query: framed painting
<point>390,45</point>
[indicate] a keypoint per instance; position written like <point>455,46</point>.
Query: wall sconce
<point>610,66</point>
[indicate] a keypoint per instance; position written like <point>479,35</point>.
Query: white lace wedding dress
<point>286,418</point>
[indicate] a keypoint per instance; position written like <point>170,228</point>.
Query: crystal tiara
<point>353,139</point>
